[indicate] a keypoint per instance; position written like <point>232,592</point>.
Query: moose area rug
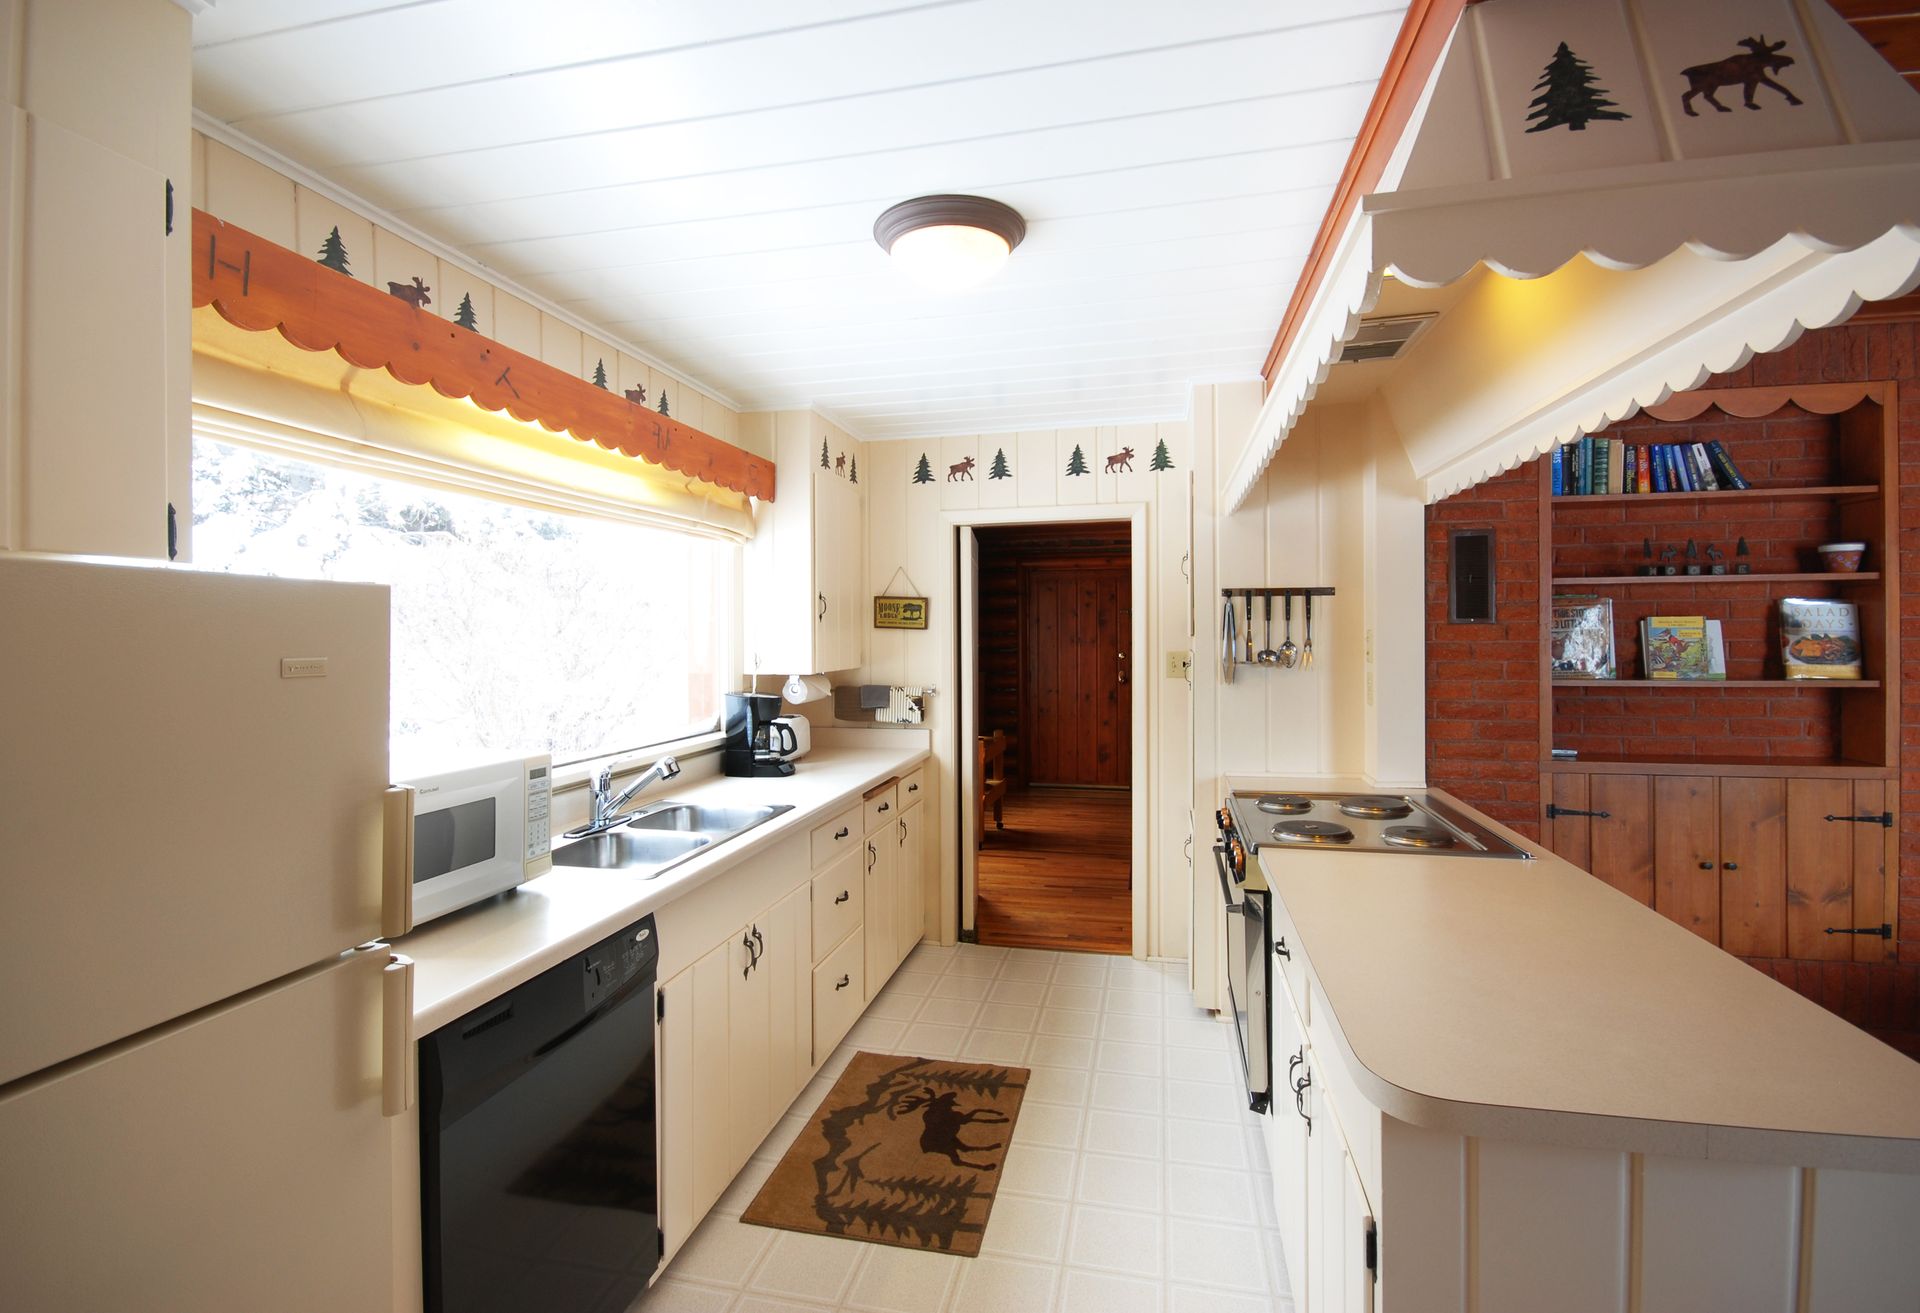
<point>902,1151</point>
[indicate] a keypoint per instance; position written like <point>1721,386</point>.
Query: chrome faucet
<point>606,806</point>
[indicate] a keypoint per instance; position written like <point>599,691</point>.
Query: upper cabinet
<point>806,593</point>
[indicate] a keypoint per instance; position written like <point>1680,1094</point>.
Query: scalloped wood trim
<point>1757,403</point>
<point>257,285</point>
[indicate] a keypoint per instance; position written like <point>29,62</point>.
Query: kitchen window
<point>514,629</point>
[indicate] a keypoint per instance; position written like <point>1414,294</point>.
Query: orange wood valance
<point>256,285</point>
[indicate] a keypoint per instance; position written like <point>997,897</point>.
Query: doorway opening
<point>1054,752</point>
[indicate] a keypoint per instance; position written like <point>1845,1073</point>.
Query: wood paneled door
<point>1076,720</point>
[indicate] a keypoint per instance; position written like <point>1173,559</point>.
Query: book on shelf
<point>1682,647</point>
<point>1580,645</point>
<point>1730,476</point>
<point>1594,466</point>
<point>1566,754</point>
<point>1819,638</point>
<point>1559,459</point>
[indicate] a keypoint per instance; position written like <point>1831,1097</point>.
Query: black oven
<point>1249,969</point>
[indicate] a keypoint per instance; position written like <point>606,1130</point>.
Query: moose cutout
<point>1123,461</point>
<point>840,463</point>
<point>964,470</point>
<point>942,1123</point>
<point>1745,71</point>
<point>638,396</point>
<point>415,296</point>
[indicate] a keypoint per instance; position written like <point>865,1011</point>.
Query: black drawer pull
<point>844,895</point>
<point>1281,948</point>
<point>844,982</point>
<point>840,833</point>
<point>913,788</point>
<point>883,807</point>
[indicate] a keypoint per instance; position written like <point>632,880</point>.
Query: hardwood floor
<point>1058,875</point>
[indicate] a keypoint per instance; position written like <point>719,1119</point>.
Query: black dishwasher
<point>539,1175</point>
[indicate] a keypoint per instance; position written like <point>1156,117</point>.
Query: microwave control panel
<point>539,810</point>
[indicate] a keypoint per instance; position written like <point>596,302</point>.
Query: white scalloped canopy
<point>1560,129</point>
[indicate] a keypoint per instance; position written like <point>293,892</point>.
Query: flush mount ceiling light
<point>949,243</point>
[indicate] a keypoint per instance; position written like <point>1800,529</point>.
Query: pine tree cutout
<point>999,468</point>
<point>853,471</point>
<point>465,316</point>
<point>600,373</point>
<point>1568,97</point>
<point>1162,458</point>
<point>333,253</point>
<point>922,473</point>
<point>663,403</point>
<point>1078,463</point>
<point>825,463</point>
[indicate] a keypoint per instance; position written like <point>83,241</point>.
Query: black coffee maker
<point>748,749</point>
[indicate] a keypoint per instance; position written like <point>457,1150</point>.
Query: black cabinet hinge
<point>1881,931</point>
<point>1553,811</point>
<point>1883,819</point>
<point>660,1004</point>
<point>173,533</point>
<point>169,207</point>
<point>1373,1249</point>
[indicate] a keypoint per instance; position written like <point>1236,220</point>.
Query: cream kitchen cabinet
<point>807,600</point>
<point>910,891</point>
<point>769,1017</point>
<point>883,897</point>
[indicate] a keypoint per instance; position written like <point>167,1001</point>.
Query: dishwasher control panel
<point>617,959</point>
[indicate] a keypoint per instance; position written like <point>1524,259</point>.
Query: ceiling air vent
<point>1383,339</point>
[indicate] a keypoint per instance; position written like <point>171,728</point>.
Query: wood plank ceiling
<point>703,179</point>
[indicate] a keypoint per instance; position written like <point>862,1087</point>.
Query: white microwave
<point>455,838</point>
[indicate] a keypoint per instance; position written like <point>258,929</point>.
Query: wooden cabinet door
<point>1686,853</point>
<point>838,573</point>
<point>1837,870</point>
<point>1355,1221</point>
<point>1753,866</point>
<point>1604,824</point>
<point>1287,1143</point>
<point>1568,833</point>
<point>787,964</point>
<point>882,897</point>
<point>695,1108</point>
<point>911,881</point>
<point>749,1064</point>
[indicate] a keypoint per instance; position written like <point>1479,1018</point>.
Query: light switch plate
<point>1179,664</point>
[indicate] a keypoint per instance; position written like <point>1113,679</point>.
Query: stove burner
<point>1417,836</point>
<point>1376,806</point>
<point>1284,804</point>
<point>1326,832</point>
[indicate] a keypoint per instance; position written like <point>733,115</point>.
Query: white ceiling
<point>702,179</point>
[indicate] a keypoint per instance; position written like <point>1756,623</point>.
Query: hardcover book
<point>1678,647</point>
<point>1819,638</point>
<point>1581,642</point>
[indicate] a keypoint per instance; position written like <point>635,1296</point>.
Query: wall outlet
<point>1179,665</point>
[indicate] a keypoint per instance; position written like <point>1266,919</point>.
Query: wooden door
<point>882,897</point>
<point>1604,824</point>
<point>1753,866</point>
<point>1076,722</point>
<point>1686,853</point>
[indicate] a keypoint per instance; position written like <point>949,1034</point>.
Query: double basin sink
<point>663,835</point>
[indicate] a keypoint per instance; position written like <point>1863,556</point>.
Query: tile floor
<point>1136,1181</point>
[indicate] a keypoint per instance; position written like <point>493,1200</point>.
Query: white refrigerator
<point>199,1035</point>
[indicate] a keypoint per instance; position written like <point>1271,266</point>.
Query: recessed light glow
<point>949,243</point>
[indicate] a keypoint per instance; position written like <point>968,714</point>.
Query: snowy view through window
<point>513,630</point>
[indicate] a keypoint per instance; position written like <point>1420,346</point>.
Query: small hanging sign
<point>899,613</point>
<point>891,611</point>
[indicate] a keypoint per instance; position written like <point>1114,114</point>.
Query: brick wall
<point>1482,691</point>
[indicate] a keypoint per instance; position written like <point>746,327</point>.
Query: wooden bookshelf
<point>1718,580</point>
<point>1723,495</point>
<point>1696,685</point>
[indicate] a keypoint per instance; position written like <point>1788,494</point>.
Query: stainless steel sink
<point>689,818</point>
<point>666,834</point>
<point>624,850</point>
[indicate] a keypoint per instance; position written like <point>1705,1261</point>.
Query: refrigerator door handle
<point>398,1071</point>
<point>396,861</point>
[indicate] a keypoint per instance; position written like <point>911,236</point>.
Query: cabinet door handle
<point>843,982</point>
<point>873,855</point>
<point>823,606</point>
<point>746,942</point>
<point>903,831</point>
<point>1731,866</point>
<point>1280,947</point>
<point>760,946</point>
<point>840,833</point>
<point>844,895</point>
<point>1706,866</point>
<point>1299,1056</point>
<point>1300,1088</point>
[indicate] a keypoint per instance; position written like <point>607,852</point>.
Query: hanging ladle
<point>1269,657</point>
<point>1288,653</point>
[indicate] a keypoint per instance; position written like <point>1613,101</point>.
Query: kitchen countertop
<point>470,956</point>
<point>1528,1000</point>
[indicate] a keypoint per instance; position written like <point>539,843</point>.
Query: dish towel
<point>903,707</point>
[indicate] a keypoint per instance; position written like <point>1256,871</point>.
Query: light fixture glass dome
<point>949,243</point>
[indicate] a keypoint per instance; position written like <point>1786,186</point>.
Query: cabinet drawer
<point>839,995</point>
<point>883,806</point>
<point>839,894</point>
<point>842,834</point>
<point>913,787</point>
<point>1292,967</point>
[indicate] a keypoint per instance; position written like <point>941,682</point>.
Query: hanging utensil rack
<point>1232,641</point>
<point>1277,591</point>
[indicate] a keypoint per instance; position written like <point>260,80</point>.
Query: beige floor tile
<point>1021,1227</point>
<point>926,1041</point>
<point>1100,1292</point>
<point>1030,1169</point>
<point>1109,1240</point>
<point>801,1266</point>
<point>1068,1021</point>
<point>722,1251</point>
<point>1049,1125</point>
<point>1128,1093</point>
<point>1128,1059</point>
<point>953,986</point>
<point>1057,1084</point>
<point>1118,1182</point>
<point>1004,1285</point>
<point>949,1011</point>
<point>1007,1015</point>
<point>894,1279</point>
<point>1137,1135</point>
<point>1212,1194</point>
<point>1062,1051</point>
<point>1211,1253</point>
